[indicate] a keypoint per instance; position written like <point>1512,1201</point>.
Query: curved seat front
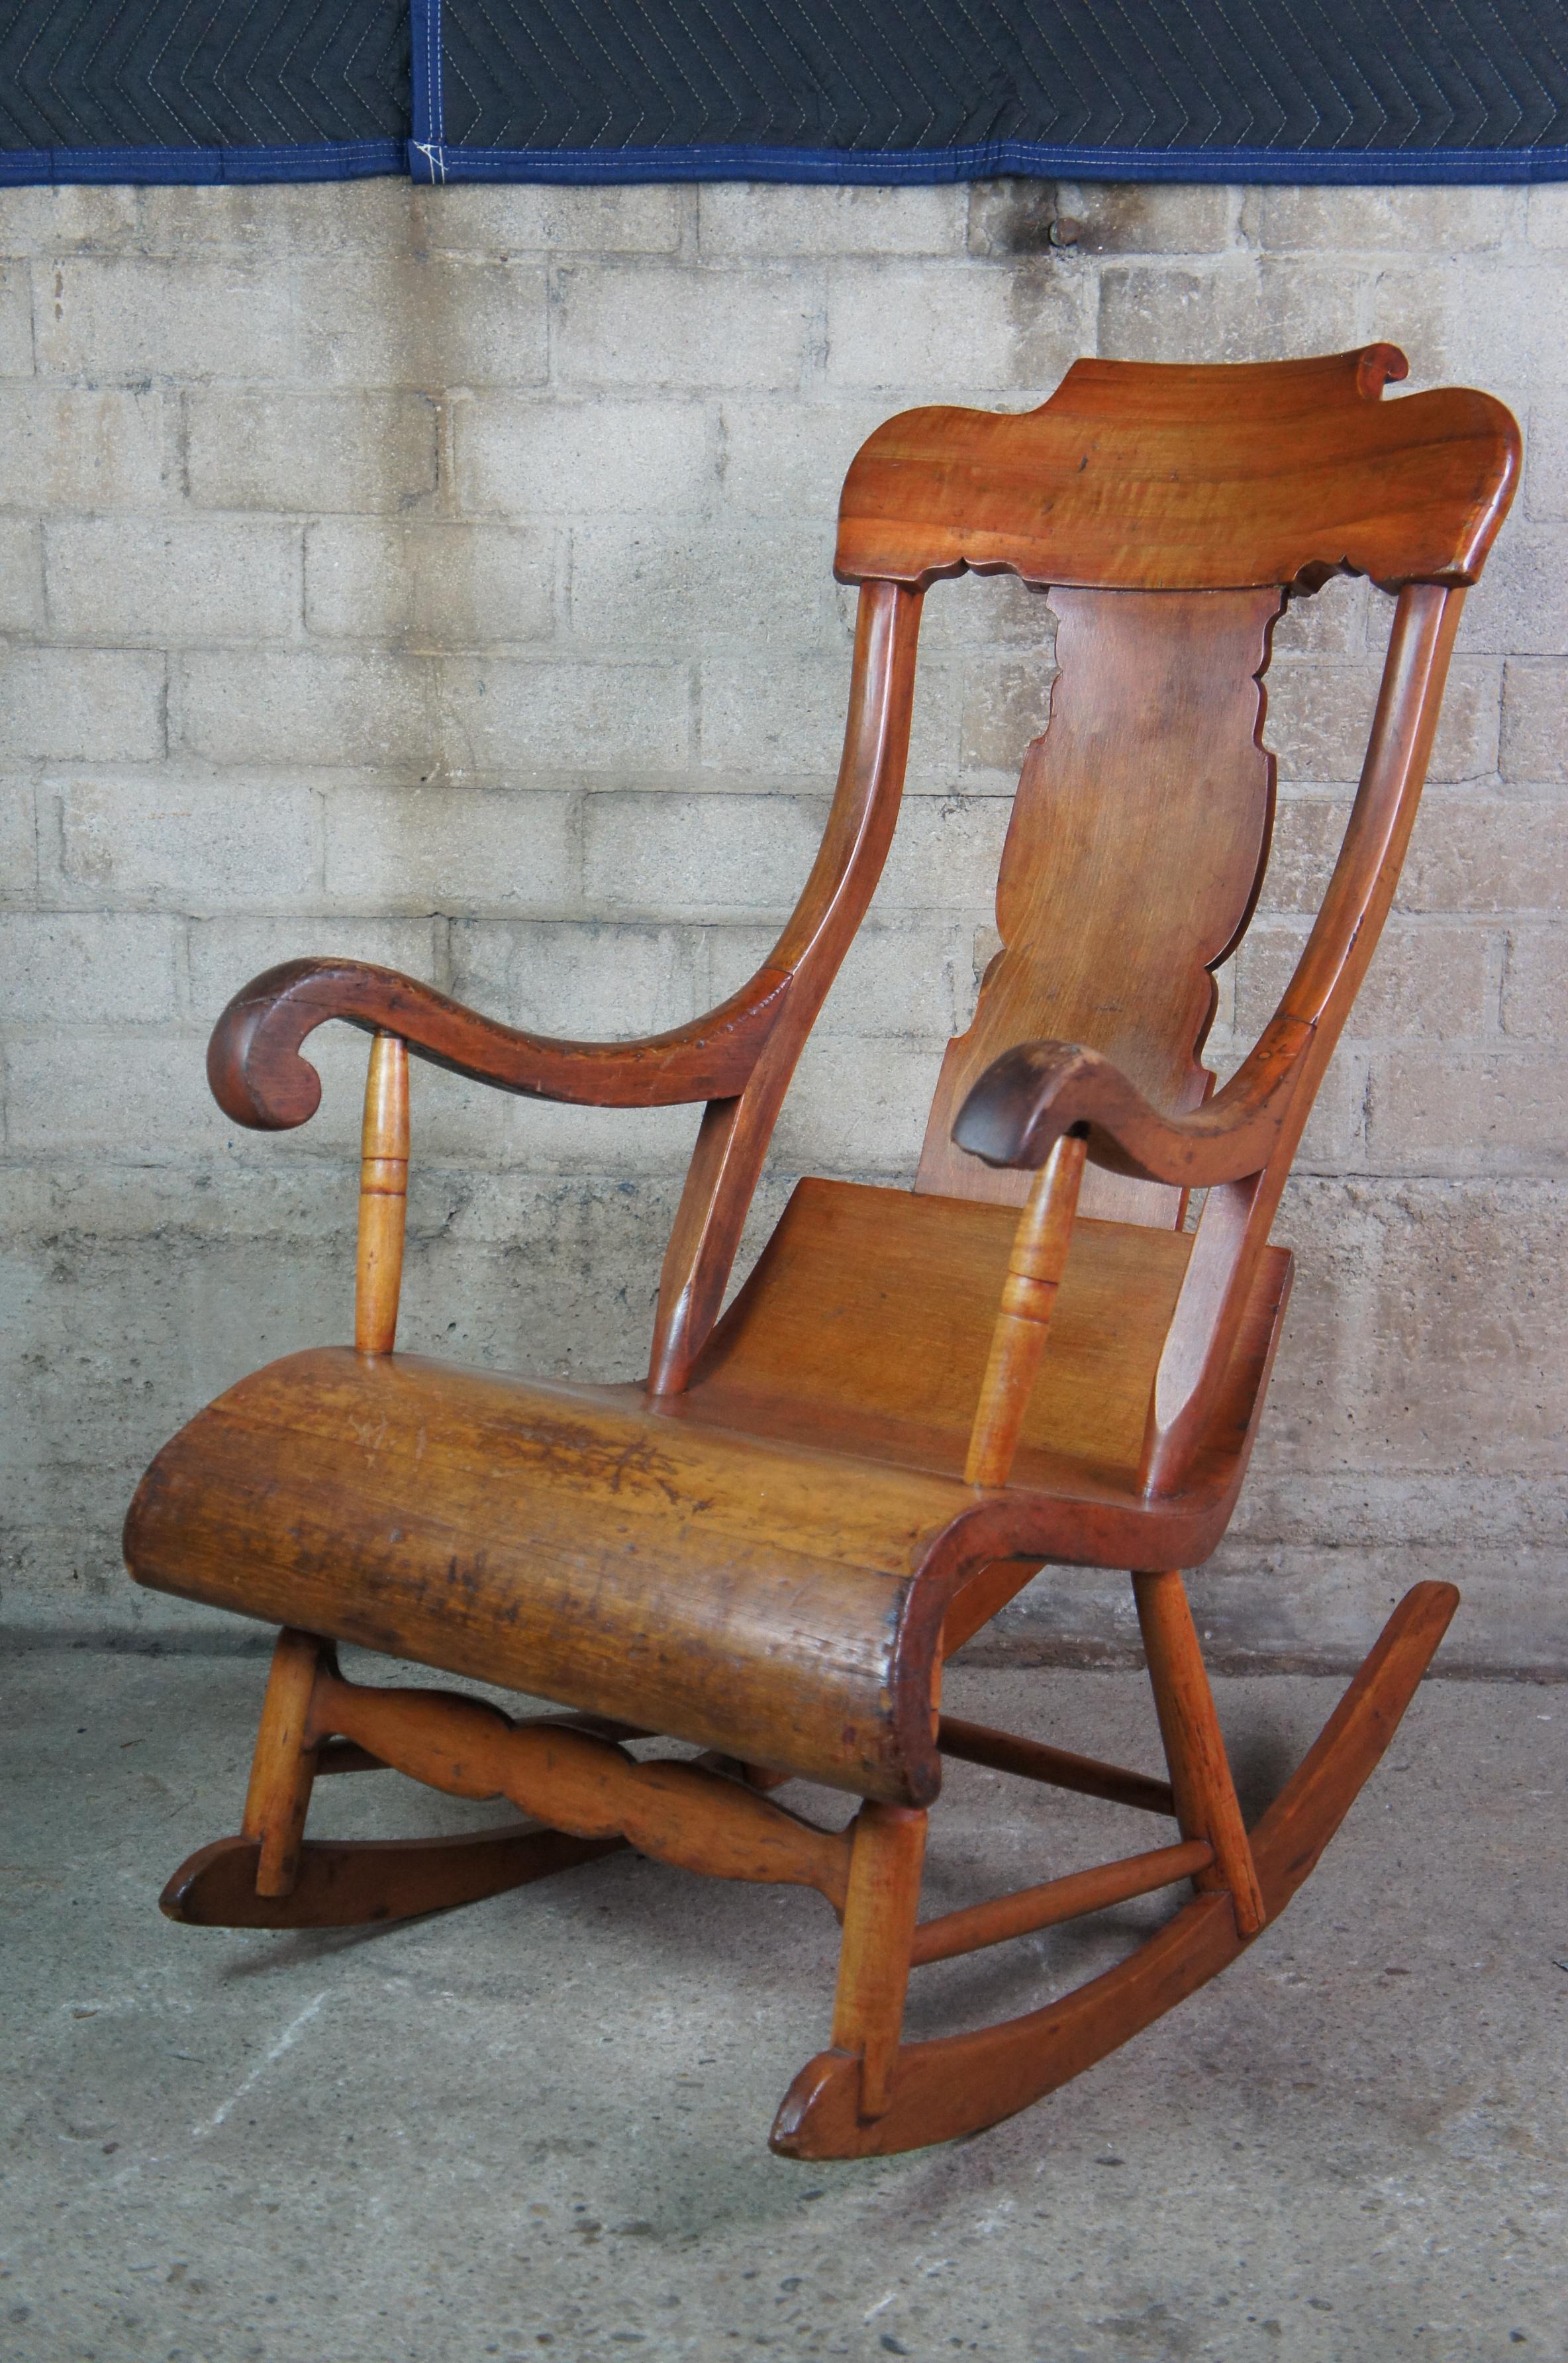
<point>577,1543</point>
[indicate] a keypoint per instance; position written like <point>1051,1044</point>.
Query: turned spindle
<point>383,1196</point>
<point>1029,1293</point>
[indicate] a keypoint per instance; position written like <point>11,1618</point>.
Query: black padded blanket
<point>796,90</point>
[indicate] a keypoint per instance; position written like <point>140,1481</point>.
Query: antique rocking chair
<point>769,1549</point>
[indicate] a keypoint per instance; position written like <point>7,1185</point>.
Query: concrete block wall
<point>443,576</point>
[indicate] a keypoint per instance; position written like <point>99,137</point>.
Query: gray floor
<point>538,2127</point>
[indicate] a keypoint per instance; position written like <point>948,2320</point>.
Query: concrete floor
<point>538,2127</point>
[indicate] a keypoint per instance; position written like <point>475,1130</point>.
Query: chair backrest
<point>1168,511</point>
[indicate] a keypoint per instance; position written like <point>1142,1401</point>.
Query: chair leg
<point>282,1771</point>
<point>878,1928</point>
<point>1205,1793</point>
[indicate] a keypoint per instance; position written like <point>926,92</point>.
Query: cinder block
<point>468,218</point>
<point>745,218</point>
<point>104,319</point>
<point>420,320</point>
<point>225,953</point>
<point>18,840</point>
<point>640,581</point>
<point>187,845</point>
<point>89,1093</point>
<point>16,320</point>
<point>72,217</point>
<point>900,977</point>
<point>781,718</point>
<point>129,580</point>
<point>245,705</point>
<point>293,452</point>
<point>1470,317</point>
<point>677,856</point>
<point>433,585</point>
<point>1474,853</point>
<point>858,1106</point>
<point>1017,217</point>
<point>657,326</point>
<point>460,849</point>
<point>1543,492</point>
<point>945,854</point>
<point>1547,218</point>
<point>528,459</point>
<point>966,331</point>
<point>1007,705</point>
<point>1344,620</point>
<point>91,705</point>
<point>89,967</point>
<point>21,575</point>
<point>1427,980</point>
<point>1535,719</point>
<point>1520,607</point>
<point>590,982</point>
<point>900,980</point>
<point>790,458</point>
<point>495,714</point>
<point>83,447</point>
<point>1308,833</point>
<point>1467,1111</point>
<point>279,220</point>
<point>1320,717</point>
<point>1236,310</point>
<point>1535,983</point>
<point>1375,220</point>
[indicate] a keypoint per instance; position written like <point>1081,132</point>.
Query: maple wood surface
<point>1107,938</point>
<point>353,1882</point>
<point>756,1573</point>
<point>767,1549</point>
<point>1146,476</point>
<point>955,2084</point>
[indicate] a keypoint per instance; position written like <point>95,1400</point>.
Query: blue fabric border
<point>432,159</point>
<point>348,159</point>
<point>427,154</point>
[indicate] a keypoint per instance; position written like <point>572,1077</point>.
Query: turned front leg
<point>282,1770</point>
<point>383,1196</point>
<point>878,1928</point>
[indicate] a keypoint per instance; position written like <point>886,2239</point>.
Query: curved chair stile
<point>918,1397</point>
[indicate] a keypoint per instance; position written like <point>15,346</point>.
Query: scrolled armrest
<point>1028,1098</point>
<point>259,1078</point>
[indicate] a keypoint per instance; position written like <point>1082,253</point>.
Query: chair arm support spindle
<point>1029,1294</point>
<point>383,1197</point>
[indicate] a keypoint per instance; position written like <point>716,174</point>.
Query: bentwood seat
<point>919,1397</point>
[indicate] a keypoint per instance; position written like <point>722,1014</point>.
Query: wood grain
<point>282,1770</point>
<point>1195,1748</point>
<point>678,1813</point>
<point>1071,1897</point>
<point>383,1197</point>
<point>874,1964</point>
<point>1031,1759</point>
<point>1108,940</point>
<point>1037,1261</point>
<point>1144,476</point>
<point>352,1882</point>
<point>956,2085</point>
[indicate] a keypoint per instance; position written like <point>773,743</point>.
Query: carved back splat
<point>1134,859</point>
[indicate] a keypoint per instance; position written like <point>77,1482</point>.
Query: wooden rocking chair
<point>769,1549</point>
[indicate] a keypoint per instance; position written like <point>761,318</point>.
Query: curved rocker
<point>354,1882</point>
<point>960,2084</point>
